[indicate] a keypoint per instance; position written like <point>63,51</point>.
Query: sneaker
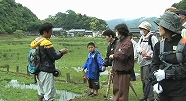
<point>93,95</point>
<point>90,93</point>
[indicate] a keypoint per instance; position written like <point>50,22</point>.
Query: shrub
<point>18,33</point>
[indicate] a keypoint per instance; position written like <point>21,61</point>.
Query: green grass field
<point>14,53</point>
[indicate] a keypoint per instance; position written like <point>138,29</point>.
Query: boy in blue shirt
<point>93,65</point>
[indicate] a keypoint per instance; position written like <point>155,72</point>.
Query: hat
<point>182,12</point>
<point>145,25</point>
<point>170,21</point>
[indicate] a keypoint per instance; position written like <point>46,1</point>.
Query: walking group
<point>162,61</point>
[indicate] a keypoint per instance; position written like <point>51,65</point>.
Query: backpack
<point>178,52</point>
<point>149,41</point>
<point>34,60</point>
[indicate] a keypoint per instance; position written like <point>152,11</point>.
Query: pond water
<point>64,95</point>
<point>1,100</point>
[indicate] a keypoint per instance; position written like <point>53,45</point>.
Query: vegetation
<point>71,20</point>
<point>16,17</point>
<point>180,5</point>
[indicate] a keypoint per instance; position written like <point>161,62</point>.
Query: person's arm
<point>138,47</point>
<point>100,61</point>
<point>51,52</point>
<point>106,60</point>
<point>135,50</point>
<point>155,59</point>
<point>85,65</point>
<point>154,40</point>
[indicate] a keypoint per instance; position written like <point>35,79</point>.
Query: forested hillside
<point>16,17</point>
<point>71,20</point>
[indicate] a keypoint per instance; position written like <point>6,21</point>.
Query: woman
<point>166,64</point>
<point>123,63</point>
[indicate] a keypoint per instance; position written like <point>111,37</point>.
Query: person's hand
<point>64,50</point>
<point>147,57</point>
<point>103,68</point>
<point>157,88</point>
<point>143,53</point>
<point>160,75</point>
<point>111,56</point>
<point>110,72</point>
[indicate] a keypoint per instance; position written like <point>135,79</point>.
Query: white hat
<point>145,25</point>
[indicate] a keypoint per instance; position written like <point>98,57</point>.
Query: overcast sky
<point>102,9</point>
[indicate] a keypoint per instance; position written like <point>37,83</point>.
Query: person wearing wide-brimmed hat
<point>168,69</point>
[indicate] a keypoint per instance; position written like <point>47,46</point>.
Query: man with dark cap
<point>182,14</point>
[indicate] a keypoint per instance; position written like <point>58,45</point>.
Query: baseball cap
<point>182,12</point>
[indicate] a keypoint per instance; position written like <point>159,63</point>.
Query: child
<point>93,65</point>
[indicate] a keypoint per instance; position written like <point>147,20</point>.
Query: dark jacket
<point>170,87</point>
<point>48,55</point>
<point>123,56</point>
<point>110,50</point>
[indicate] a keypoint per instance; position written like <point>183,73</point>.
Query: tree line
<point>14,17</point>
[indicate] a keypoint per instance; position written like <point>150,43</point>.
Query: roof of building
<point>57,29</point>
<point>77,30</point>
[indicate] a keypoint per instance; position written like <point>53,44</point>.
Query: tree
<point>180,5</point>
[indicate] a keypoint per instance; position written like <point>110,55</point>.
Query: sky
<point>102,9</point>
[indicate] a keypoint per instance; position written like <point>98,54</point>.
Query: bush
<point>18,33</point>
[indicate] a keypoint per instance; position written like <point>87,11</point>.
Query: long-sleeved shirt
<point>123,56</point>
<point>144,46</point>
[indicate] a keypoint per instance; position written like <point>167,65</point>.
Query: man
<point>110,37</point>
<point>48,55</point>
<point>145,53</point>
<point>123,63</point>
<point>134,43</point>
<point>182,14</point>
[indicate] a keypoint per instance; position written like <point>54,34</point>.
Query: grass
<point>14,53</point>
